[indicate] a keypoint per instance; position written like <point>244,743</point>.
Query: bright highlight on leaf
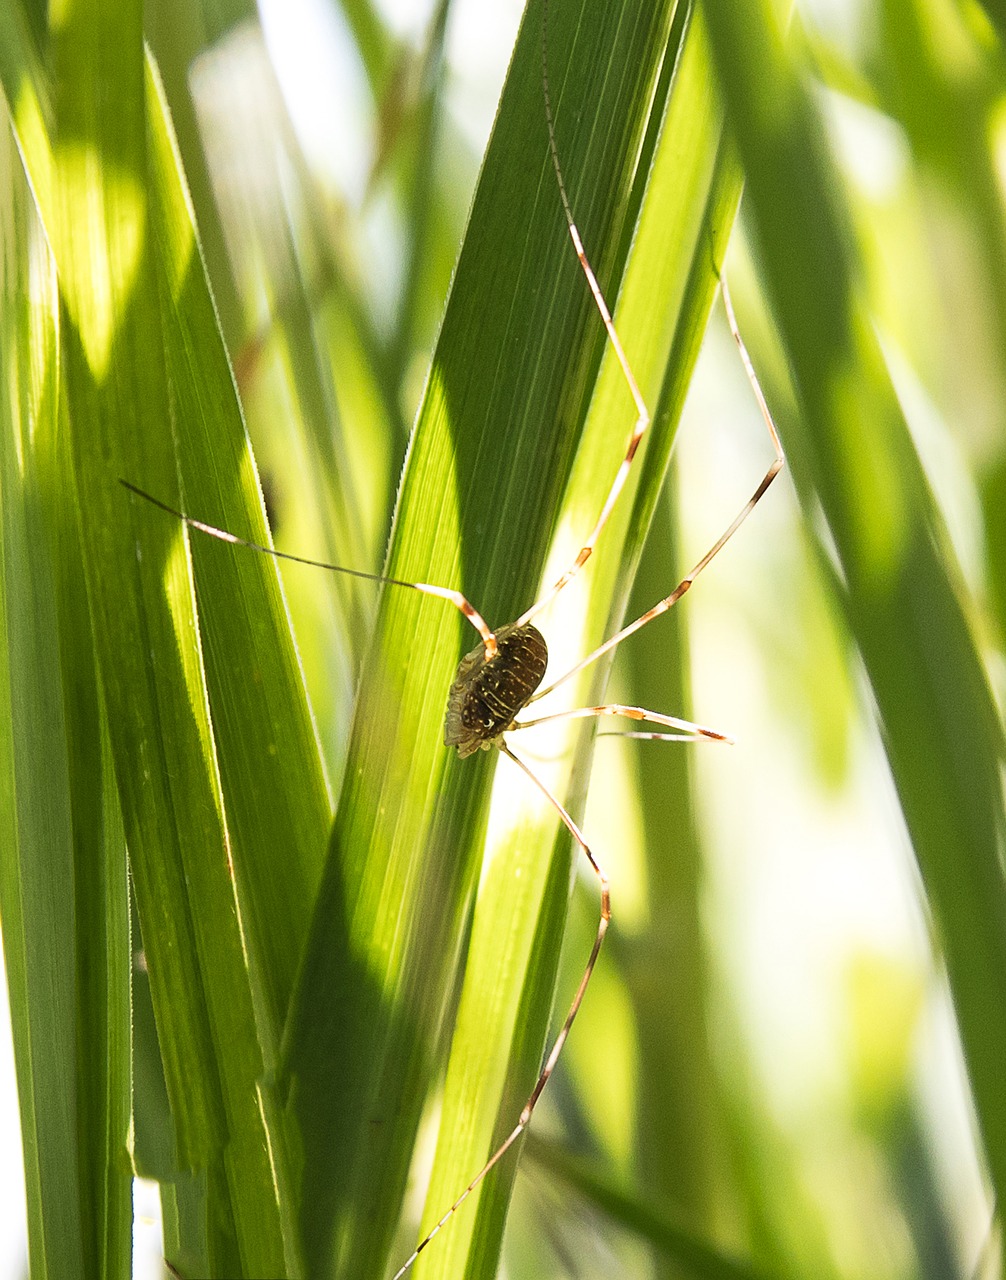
<point>100,270</point>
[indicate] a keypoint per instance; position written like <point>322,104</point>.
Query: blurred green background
<point>768,1066</point>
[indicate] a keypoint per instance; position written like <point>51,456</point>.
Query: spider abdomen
<point>486,696</point>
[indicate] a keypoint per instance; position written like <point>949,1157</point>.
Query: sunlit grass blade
<point>272,779</point>
<point>511,381</point>
<point>894,575</point>
<point>222,909</point>
<point>690,196</point>
<point>62,860</point>
<point>307,361</point>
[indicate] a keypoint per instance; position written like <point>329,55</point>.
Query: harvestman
<point>502,674</point>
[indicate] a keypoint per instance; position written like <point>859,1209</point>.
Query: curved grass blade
<point>515,367</point>
<point>691,192</point>
<point>222,903</point>
<point>893,573</point>
<point>62,867</point>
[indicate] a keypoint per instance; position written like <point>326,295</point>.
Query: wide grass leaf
<point>507,451</point>
<point>222,900</point>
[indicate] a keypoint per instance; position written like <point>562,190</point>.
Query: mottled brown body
<point>487,695</point>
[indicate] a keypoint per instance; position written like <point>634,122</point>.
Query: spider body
<point>487,695</point>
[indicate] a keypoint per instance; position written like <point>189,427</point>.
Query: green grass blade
<point>273,784</point>
<point>900,588</point>
<point>37,873</point>
<point>679,1123</point>
<point>222,907</point>
<point>509,987</point>
<point>485,483</point>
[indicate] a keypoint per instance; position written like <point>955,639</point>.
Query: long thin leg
<point>689,732</point>
<point>642,413</point>
<point>553,1057</point>
<point>669,601</point>
<point>443,593</point>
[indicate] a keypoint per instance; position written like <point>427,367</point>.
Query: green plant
<point>303,975</point>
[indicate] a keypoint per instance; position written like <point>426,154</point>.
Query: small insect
<point>502,675</point>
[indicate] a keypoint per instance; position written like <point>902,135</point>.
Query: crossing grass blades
<point>501,678</point>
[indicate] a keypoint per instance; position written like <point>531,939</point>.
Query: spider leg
<point>553,1057</point>
<point>776,465</point>
<point>455,598</point>
<point>690,732</point>
<point>642,412</point>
